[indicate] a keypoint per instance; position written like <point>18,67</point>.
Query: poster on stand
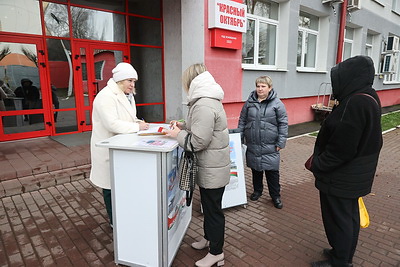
<point>235,191</point>
<point>179,215</point>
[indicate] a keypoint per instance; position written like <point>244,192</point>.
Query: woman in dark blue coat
<point>264,127</point>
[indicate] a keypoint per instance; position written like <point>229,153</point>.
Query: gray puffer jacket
<point>264,127</point>
<point>208,125</point>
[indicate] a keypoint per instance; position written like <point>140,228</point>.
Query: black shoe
<point>277,203</point>
<point>326,263</point>
<point>255,196</point>
<point>327,252</point>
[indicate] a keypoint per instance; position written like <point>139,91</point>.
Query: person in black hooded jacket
<point>346,155</point>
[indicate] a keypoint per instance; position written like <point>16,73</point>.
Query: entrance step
<point>32,164</point>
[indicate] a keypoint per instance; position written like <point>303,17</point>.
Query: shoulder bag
<point>188,170</point>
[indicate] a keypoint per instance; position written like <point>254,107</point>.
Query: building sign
<point>228,15</point>
<point>226,39</point>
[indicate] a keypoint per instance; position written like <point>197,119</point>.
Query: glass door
<point>93,65</point>
<point>24,93</point>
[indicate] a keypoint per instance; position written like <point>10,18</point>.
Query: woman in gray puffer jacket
<point>207,124</point>
<point>264,126</point>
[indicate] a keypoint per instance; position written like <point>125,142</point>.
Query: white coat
<point>112,114</point>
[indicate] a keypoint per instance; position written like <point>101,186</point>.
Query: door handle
<point>49,123</point>
<point>82,123</point>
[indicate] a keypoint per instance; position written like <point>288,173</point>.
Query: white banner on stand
<point>235,191</point>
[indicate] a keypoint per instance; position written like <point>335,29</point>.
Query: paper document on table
<point>155,143</point>
<point>152,131</point>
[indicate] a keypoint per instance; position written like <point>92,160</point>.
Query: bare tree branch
<point>31,56</point>
<point>4,52</point>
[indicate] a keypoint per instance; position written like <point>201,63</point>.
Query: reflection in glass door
<point>63,100</point>
<point>94,63</point>
<point>23,93</point>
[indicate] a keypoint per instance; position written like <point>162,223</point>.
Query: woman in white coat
<point>114,112</point>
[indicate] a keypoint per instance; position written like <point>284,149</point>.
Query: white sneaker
<point>210,259</point>
<point>202,244</point>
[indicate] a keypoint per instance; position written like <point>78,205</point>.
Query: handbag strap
<point>188,136</point>
<point>345,108</point>
<point>369,96</point>
<point>186,141</point>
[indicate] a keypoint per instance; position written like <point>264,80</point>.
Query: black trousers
<point>107,202</point>
<point>214,218</point>
<point>272,177</point>
<point>341,218</point>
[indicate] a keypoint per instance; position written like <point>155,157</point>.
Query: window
<point>372,48</point>
<point>392,63</point>
<point>98,70</point>
<point>20,16</point>
<point>391,60</point>
<point>368,45</point>
<point>259,41</point>
<point>307,41</point>
<point>396,6</point>
<point>348,43</point>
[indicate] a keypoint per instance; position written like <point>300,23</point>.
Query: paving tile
<point>12,187</point>
<point>75,174</point>
<point>43,252</point>
<point>29,183</point>
<point>2,190</point>
<point>45,180</point>
<point>7,171</point>
<point>16,260</point>
<point>32,260</point>
<point>48,261</point>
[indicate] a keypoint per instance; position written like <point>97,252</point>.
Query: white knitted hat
<point>124,71</point>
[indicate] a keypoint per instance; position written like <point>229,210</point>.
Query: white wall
<point>184,46</point>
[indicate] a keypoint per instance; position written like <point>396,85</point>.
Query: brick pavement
<point>37,163</point>
<point>64,224</point>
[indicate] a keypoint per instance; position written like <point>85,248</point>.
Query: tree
<point>4,52</point>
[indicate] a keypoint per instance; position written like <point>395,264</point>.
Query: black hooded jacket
<point>350,139</point>
<point>27,90</point>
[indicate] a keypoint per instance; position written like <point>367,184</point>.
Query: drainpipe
<point>343,13</point>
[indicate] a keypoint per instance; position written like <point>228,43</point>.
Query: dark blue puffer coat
<point>264,126</point>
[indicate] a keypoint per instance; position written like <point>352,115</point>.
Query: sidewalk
<point>53,217</point>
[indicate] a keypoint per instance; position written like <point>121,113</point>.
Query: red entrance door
<point>24,102</point>
<point>93,63</point>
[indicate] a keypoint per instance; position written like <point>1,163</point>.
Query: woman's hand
<point>143,125</point>
<point>178,124</point>
<point>173,132</point>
